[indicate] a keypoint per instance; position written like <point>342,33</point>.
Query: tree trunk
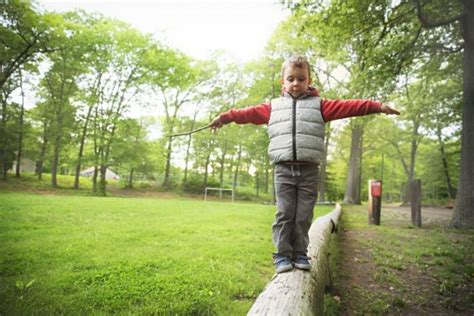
<point>3,139</point>
<point>20,134</point>
<point>257,182</point>
<point>352,194</point>
<point>130,178</point>
<point>186,161</point>
<point>302,292</point>
<point>322,173</point>
<point>188,148</point>
<point>267,176</point>
<point>411,168</point>
<point>464,211</point>
<point>222,162</point>
<point>166,182</point>
<point>237,164</point>
<point>206,168</point>
<point>44,144</point>
<point>102,185</point>
<point>94,179</point>
<point>447,176</point>
<point>81,148</point>
<point>55,162</point>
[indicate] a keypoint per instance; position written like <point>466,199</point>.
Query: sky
<point>240,27</point>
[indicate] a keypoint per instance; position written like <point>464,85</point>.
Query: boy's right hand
<point>388,110</point>
<point>216,123</point>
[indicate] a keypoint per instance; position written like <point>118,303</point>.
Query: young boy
<point>296,131</point>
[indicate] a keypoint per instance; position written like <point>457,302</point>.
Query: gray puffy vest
<point>296,129</point>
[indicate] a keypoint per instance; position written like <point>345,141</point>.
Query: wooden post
<point>375,201</point>
<point>301,292</point>
<point>415,199</point>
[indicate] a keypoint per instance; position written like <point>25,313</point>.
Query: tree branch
<point>432,24</point>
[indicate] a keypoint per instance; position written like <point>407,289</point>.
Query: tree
<point>59,87</point>
<point>172,89</point>
<point>130,150</point>
<point>23,33</point>
<point>117,77</point>
<point>400,35</point>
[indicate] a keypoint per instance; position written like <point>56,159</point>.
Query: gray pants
<point>296,193</point>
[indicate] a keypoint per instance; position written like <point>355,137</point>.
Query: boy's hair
<point>296,61</point>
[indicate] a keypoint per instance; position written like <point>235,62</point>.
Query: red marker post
<point>375,201</point>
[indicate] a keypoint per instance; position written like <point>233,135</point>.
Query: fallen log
<point>300,292</point>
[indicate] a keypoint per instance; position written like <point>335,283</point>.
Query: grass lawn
<point>80,255</point>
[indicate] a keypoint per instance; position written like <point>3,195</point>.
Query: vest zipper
<point>294,129</point>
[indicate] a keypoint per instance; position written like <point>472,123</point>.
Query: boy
<point>296,131</point>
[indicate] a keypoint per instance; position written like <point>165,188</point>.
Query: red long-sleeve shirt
<point>331,110</point>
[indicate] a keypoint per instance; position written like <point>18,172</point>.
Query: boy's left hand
<point>388,110</point>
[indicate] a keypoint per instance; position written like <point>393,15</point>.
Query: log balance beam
<point>301,292</point>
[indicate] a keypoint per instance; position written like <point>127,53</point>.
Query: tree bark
<point>3,138</point>
<point>415,141</point>
<point>222,162</point>
<point>206,168</point>
<point>447,176</point>
<point>352,194</point>
<point>267,176</point>
<point>188,149</point>
<point>94,179</point>
<point>102,185</point>
<point>44,144</point>
<point>130,178</point>
<point>257,182</point>
<point>464,212</point>
<point>322,173</point>
<point>55,162</point>
<point>237,165</point>
<point>166,181</point>
<point>81,148</point>
<point>20,133</point>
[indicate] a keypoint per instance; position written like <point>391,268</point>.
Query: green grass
<point>81,255</point>
<point>30,182</point>
<point>432,266</point>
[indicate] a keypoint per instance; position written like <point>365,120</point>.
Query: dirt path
<point>396,269</point>
<point>427,213</point>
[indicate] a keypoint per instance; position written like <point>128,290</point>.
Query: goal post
<point>220,192</point>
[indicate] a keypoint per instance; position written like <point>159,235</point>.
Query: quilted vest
<point>296,129</point>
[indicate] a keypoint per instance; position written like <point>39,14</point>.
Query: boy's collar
<point>311,92</point>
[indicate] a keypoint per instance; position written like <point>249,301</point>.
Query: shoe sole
<point>284,269</point>
<point>306,267</point>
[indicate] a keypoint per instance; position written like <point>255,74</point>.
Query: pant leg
<point>306,199</point>
<point>285,189</point>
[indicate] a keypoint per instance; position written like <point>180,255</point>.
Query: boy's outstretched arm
<point>338,109</point>
<point>258,114</point>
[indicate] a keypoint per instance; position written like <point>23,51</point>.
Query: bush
<point>195,184</point>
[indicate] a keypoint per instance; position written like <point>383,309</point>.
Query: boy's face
<point>296,80</point>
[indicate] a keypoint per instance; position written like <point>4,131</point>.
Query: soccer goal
<point>220,192</point>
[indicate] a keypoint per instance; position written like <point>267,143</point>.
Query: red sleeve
<point>257,114</point>
<point>338,109</point>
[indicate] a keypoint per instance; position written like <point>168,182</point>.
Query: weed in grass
<point>398,302</point>
<point>332,305</point>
